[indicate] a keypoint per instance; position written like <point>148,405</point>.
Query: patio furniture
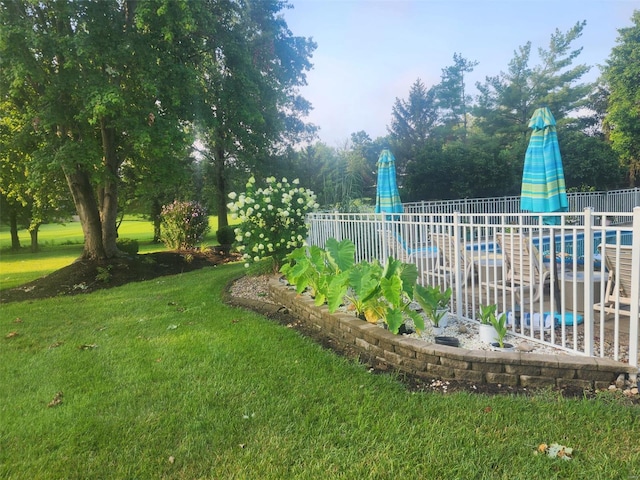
<point>399,249</point>
<point>447,253</point>
<point>618,290</point>
<point>525,271</point>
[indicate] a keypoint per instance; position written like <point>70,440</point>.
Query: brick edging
<point>429,360</point>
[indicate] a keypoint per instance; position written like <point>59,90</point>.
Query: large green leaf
<point>392,290</point>
<point>341,255</point>
<point>394,319</point>
<point>336,290</point>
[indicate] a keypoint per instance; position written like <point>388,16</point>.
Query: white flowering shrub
<point>272,219</point>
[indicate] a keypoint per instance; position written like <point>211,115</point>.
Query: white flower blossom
<point>233,195</point>
<point>296,181</point>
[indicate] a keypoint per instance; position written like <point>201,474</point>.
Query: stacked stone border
<point>429,360</point>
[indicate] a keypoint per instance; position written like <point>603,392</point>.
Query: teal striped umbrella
<point>543,188</point>
<point>387,195</point>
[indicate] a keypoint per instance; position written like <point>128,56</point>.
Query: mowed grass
<point>61,244</point>
<point>161,379</point>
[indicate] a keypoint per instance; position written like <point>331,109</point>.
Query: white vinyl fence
<point>610,201</point>
<point>554,307</point>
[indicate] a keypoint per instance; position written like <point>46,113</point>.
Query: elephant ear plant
<point>433,301</point>
<point>376,292</point>
<point>324,272</point>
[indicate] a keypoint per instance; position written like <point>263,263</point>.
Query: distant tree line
<point>450,144</point>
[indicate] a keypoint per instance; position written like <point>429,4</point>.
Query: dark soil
<point>84,276</point>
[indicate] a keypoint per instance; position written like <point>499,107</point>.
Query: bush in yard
<point>272,219</point>
<point>183,225</point>
<point>128,245</point>
<point>226,235</point>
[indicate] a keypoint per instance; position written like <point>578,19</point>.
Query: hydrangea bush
<point>183,225</point>
<point>272,219</point>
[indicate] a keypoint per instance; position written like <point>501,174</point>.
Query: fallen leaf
<point>17,320</point>
<point>487,409</point>
<point>172,459</point>
<point>87,346</point>
<point>57,400</point>
<point>172,327</point>
<point>55,344</point>
<point>12,334</point>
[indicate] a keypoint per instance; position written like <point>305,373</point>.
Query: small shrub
<point>226,235</point>
<point>183,225</point>
<point>104,274</point>
<point>128,245</point>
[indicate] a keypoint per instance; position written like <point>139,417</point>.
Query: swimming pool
<point>569,249</point>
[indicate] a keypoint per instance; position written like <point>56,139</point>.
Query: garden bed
<point>419,358</point>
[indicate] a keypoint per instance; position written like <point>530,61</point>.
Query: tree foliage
<point>622,75</point>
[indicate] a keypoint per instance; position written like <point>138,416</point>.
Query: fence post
<point>635,289</point>
<point>588,280</point>
<point>459,241</point>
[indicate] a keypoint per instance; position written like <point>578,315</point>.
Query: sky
<point>370,52</point>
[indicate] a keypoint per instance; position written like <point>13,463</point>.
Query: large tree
<point>250,74</point>
<point>94,76</point>
<point>507,101</point>
<point>622,74</point>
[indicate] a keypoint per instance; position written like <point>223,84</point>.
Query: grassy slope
<point>61,244</point>
<point>227,394</point>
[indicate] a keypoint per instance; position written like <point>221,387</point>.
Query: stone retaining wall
<point>429,360</point>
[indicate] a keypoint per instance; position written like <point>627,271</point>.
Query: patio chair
<point>399,249</point>
<point>525,271</point>
<point>618,290</point>
<point>447,253</point>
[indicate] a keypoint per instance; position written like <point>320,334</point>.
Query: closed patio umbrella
<point>543,187</point>
<point>387,195</point>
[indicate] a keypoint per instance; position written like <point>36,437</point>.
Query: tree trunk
<point>33,232</point>
<point>13,222</point>
<point>108,195</point>
<point>221,187</point>
<point>87,208</point>
<point>156,210</point>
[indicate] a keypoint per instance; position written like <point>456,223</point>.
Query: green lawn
<point>161,379</point>
<point>61,244</point>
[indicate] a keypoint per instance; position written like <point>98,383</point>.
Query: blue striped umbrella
<point>543,187</point>
<point>387,195</point>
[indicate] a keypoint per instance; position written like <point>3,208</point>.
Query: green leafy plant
<point>226,235</point>
<point>433,301</point>
<point>488,316</point>
<point>397,285</point>
<point>183,224</point>
<point>486,313</point>
<point>272,219</point>
<point>325,272</point>
<point>500,325</point>
<point>104,274</point>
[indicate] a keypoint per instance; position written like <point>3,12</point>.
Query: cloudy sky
<point>370,52</point>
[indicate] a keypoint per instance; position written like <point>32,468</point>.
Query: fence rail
<point>566,296</point>
<point>610,201</point>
